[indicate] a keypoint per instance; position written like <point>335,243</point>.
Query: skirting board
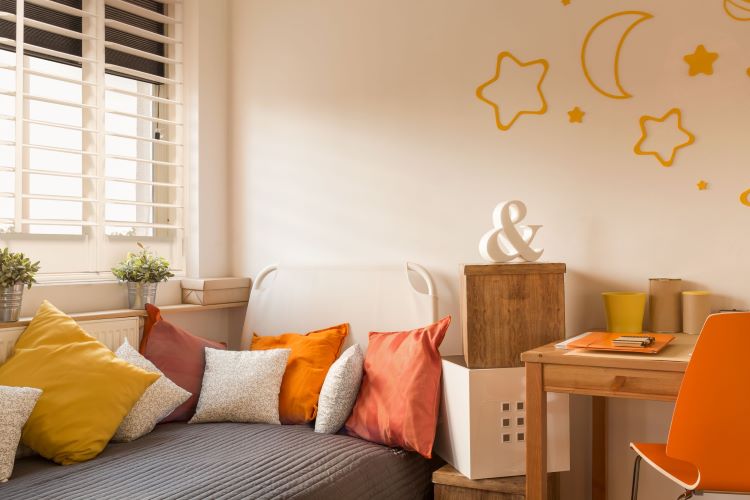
<point>110,332</point>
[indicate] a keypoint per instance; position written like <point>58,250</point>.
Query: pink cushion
<point>400,393</point>
<point>179,355</point>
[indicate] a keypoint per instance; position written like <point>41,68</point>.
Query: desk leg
<point>599,448</point>
<point>536,433</point>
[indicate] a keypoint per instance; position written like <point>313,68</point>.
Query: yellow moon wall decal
<point>614,89</point>
<point>745,198</point>
<point>737,9</point>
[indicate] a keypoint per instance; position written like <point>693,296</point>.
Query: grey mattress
<point>222,461</point>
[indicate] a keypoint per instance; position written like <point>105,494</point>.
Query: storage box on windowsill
<point>207,291</point>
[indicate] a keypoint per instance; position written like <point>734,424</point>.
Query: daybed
<point>228,460</point>
<point>241,460</point>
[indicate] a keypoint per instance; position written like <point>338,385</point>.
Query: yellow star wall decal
<point>745,198</point>
<point>664,121</point>
<point>701,61</point>
<point>565,2</point>
<point>702,185</point>
<point>575,115</point>
<point>496,107</point>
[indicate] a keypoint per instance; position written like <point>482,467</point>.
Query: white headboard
<point>302,299</point>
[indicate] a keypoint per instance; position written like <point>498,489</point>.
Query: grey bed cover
<point>228,461</point>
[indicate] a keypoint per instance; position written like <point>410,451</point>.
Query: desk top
<point>673,358</point>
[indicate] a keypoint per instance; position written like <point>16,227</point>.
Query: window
<point>91,155</point>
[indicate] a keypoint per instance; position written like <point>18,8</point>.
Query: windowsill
<point>77,298</point>
<point>89,279</point>
<point>133,313</point>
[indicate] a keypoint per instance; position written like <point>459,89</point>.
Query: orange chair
<point>708,447</point>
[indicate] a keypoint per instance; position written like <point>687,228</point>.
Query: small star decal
<point>541,104</point>
<point>663,122</point>
<point>565,2</point>
<point>575,115</point>
<point>701,61</point>
<point>702,185</point>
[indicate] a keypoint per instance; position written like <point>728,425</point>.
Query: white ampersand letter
<point>508,239</point>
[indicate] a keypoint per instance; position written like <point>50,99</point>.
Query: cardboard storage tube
<point>696,306</point>
<point>665,305</point>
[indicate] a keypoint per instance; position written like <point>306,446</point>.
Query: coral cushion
<point>400,394</point>
<point>179,355</point>
<point>311,357</point>
<point>87,391</point>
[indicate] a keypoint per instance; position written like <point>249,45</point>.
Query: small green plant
<point>143,267</point>
<point>16,268</point>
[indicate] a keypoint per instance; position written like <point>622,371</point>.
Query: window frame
<point>94,238</point>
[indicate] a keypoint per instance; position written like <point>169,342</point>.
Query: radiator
<point>110,332</point>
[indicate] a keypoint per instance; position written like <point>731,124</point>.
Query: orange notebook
<point>602,341</point>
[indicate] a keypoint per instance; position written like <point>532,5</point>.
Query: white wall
<point>356,137</point>
<point>206,68</point>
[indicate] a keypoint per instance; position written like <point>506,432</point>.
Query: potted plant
<point>16,271</point>
<point>142,271</point>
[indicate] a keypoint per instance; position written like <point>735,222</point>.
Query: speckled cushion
<point>16,404</point>
<point>241,386</point>
<point>339,391</point>
<point>159,400</point>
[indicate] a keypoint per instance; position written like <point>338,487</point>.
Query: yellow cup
<point>624,311</point>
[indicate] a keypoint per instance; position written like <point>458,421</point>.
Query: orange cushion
<point>311,357</point>
<point>400,394</point>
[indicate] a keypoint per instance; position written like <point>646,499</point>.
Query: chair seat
<point>683,473</point>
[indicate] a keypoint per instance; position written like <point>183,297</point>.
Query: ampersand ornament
<point>509,239</point>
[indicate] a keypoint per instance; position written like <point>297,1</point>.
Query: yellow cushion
<point>87,391</point>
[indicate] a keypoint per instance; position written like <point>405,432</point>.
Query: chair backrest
<point>370,298</point>
<point>711,420</point>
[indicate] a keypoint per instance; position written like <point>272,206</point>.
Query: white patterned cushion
<point>159,400</point>
<point>16,404</point>
<point>241,386</point>
<point>339,391</point>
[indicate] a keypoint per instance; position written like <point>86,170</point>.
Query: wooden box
<point>207,291</point>
<point>482,422</point>
<point>452,485</point>
<point>507,309</point>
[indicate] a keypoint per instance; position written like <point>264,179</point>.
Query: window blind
<point>91,125</point>
<point>134,30</point>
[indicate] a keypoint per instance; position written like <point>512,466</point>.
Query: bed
<point>232,460</point>
<point>228,461</point>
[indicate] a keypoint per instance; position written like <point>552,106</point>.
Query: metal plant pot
<point>10,302</point>
<point>140,294</point>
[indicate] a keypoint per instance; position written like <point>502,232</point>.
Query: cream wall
<point>206,57</point>
<point>356,137</point>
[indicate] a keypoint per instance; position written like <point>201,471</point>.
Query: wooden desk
<point>650,377</point>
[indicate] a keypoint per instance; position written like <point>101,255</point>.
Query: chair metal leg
<point>686,495</point>
<point>636,473</point>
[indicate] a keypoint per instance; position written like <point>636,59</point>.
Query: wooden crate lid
<point>513,268</point>
<point>449,476</point>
